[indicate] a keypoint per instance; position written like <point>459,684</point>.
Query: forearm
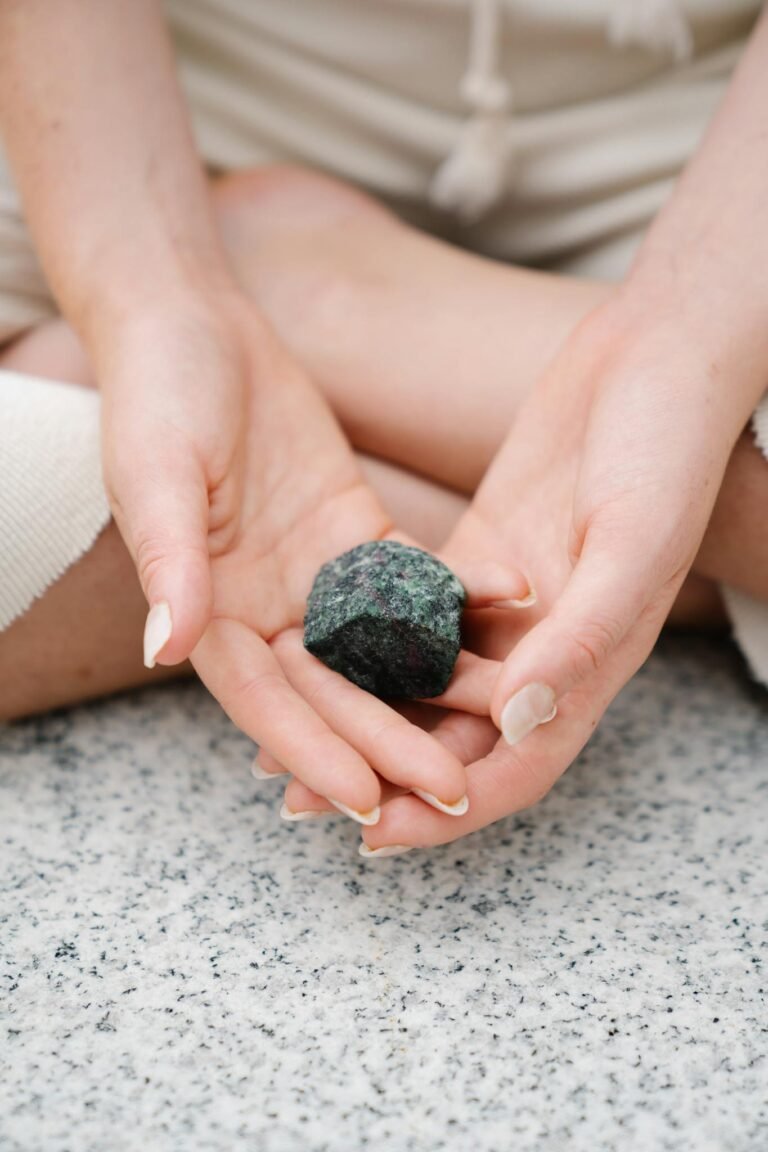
<point>706,255</point>
<point>98,139</point>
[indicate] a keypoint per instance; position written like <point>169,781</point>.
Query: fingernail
<point>371,817</point>
<point>458,808</point>
<point>531,706</point>
<point>258,772</point>
<point>309,814</point>
<point>157,631</point>
<point>385,850</point>
<point>526,602</point>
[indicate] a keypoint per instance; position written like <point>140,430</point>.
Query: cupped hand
<point>602,493</point>
<point>232,483</point>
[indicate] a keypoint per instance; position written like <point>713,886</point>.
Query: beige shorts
<point>577,115</point>
<point>544,132</point>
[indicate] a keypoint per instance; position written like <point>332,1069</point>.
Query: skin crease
<point>202,468</point>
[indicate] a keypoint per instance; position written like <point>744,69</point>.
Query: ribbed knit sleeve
<point>52,499</point>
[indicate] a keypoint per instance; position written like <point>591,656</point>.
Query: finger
<point>504,779</point>
<point>486,582</point>
<point>492,634</point>
<point>397,749</point>
<point>501,783</point>
<point>240,670</point>
<point>301,803</point>
<point>471,685</point>
<point>489,584</point>
<point>469,738</point>
<point>604,599</point>
<point>266,767</point>
<point>159,498</point>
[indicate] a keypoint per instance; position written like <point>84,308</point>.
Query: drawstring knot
<point>472,177</point>
<point>660,25</point>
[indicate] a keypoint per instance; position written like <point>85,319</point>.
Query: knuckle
<point>521,781</point>
<point>150,555</point>
<point>324,694</point>
<point>390,726</point>
<point>246,693</point>
<point>154,553</point>
<point>590,644</point>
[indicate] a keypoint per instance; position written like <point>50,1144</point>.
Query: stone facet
<point>387,616</point>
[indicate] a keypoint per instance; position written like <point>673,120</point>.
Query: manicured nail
<point>531,706</point>
<point>458,808</point>
<point>526,602</point>
<point>258,772</point>
<point>309,814</point>
<point>371,817</point>
<point>385,850</point>
<point>157,631</point>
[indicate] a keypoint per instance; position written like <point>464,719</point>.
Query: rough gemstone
<point>387,616</point>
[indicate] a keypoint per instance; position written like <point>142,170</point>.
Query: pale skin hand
<point>606,483</point>
<point>538,464</point>
<point>227,475</point>
<point>679,358</point>
<point>293,497</point>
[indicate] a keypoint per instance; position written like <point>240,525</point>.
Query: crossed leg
<point>424,353</point>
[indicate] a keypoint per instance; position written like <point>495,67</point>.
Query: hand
<point>232,484</point>
<point>601,492</point>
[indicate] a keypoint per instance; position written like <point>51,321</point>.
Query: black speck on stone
<point>387,616</point>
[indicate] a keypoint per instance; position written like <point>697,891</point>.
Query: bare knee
<point>306,248</point>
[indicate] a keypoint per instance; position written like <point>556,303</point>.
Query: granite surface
<point>182,970</point>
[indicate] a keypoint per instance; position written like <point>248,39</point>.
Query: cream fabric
<point>748,616</point>
<point>52,499</point>
<point>571,117</point>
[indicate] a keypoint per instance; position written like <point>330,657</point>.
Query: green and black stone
<point>387,616</point>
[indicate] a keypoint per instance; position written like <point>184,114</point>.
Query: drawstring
<point>471,178</point>
<point>657,24</point>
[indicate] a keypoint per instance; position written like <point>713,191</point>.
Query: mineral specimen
<point>387,616</point>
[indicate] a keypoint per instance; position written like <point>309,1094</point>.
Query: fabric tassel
<point>660,25</point>
<point>472,177</point>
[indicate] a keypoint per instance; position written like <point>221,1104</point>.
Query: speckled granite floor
<point>181,970</point>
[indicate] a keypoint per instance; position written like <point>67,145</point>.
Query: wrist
<point>150,283</point>
<point>202,331</point>
<point>721,317</point>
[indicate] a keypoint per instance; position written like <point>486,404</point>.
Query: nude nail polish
<point>258,772</point>
<point>385,850</point>
<point>531,706</point>
<point>458,808</point>
<point>371,817</point>
<point>310,814</point>
<point>157,631</point>
<point>526,602</point>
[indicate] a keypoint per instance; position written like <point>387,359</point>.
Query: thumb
<point>609,592</point>
<point>159,499</point>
